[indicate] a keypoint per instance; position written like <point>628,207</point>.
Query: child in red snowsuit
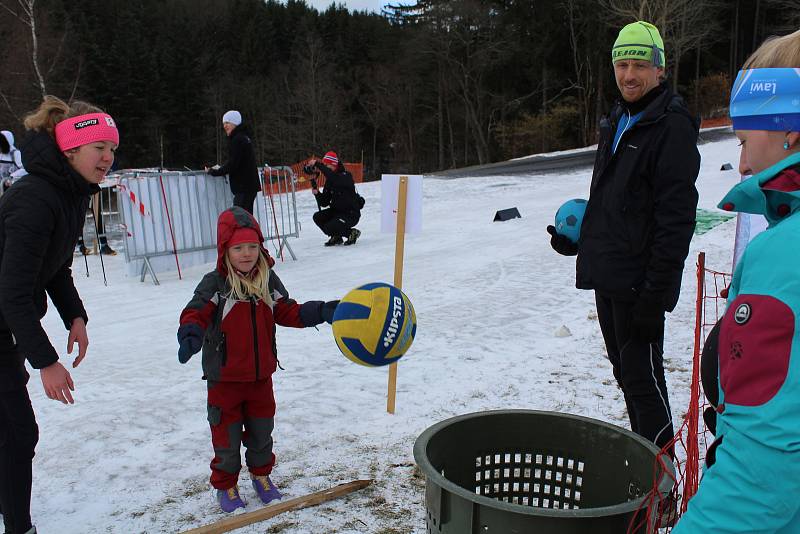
<point>232,318</point>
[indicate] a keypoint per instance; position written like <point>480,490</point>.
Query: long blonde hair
<point>255,284</point>
<point>53,110</point>
<point>776,52</point>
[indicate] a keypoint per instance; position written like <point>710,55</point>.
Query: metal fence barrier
<point>104,219</point>
<point>174,214</point>
<point>109,209</point>
<point>279,185</point>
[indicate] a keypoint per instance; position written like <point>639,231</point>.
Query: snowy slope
<point>132,454</point>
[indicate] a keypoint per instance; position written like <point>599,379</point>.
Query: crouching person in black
<point>339,193</point>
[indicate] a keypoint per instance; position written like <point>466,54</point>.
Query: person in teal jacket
<point>752,478</point>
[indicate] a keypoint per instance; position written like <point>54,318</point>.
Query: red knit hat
<point>331,157</point>
<point>243,235</point>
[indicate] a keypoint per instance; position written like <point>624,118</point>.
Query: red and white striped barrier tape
<point>137,203</point>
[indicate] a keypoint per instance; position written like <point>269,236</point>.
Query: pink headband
<point>84,129</point>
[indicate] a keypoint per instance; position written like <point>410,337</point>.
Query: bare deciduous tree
<point>317,102</point>
<point>468,45</point>
<point>27,15</point>
<point>579,22</point>
<point>790,15</point>
<point>374,100</point>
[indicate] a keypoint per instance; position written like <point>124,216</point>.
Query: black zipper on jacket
<point>222,346</point>
<point>223,349</point>
<point>255,331</point>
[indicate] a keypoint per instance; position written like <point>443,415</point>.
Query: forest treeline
<point>435,85</point>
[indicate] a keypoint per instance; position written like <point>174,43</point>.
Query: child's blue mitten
<point>190,339</point>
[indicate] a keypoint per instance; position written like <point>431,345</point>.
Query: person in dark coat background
<point>69,151</point>
<point>339,193</point>
<point>241,166</point>
<point>638,224</point>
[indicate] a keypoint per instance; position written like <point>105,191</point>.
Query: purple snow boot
<point>266,490</point>
<point>229,499</point>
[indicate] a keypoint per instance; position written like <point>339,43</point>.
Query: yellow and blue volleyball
<point>374,324</point>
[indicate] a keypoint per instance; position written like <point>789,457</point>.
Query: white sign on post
<point>747,227</point>
<point>389,187</point>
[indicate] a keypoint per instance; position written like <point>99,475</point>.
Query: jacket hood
<point>229,221</point>
<point>773,192</point>
<point>41,157</point>
<point>9,137</point>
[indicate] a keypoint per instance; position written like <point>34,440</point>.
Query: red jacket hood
<point>229,221</point>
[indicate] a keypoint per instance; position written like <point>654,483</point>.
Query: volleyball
<point>569,218</point>
<point>374,324</point>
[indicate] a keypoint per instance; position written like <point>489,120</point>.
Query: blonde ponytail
<point>53,110</point>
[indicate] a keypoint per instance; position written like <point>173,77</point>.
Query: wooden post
<point>402,195</point>
<point>313,499</point>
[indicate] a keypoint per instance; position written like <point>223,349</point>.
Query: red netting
<point>659,514</point>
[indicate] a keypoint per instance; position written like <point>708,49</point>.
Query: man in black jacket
<point>638,224</point>
<point>339,192</point>
<point>241,167</point>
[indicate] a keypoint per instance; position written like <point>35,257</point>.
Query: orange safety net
<point>688,447</point>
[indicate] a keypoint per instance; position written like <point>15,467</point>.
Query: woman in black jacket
<point>69,151</point>
<point>241,167</point>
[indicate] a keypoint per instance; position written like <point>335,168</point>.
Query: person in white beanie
<point>241,166</point>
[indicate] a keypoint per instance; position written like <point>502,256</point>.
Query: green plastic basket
<point>524,471</point>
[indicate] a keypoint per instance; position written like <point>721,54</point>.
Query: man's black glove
<point>647,322</point>
<point>327,311</point>
<point>561,243</point>
<point>190,338</point>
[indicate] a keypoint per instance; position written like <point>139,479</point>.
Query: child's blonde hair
<point>255,284</point>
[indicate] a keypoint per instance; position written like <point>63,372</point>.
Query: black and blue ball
<point>569,218</point>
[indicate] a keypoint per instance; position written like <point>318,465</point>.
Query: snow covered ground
<point>132,454</point>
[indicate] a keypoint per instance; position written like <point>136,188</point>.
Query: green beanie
<point>638,40</point>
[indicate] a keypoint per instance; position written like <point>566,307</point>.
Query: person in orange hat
<point>232,318</point>
<point>344,203</point>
